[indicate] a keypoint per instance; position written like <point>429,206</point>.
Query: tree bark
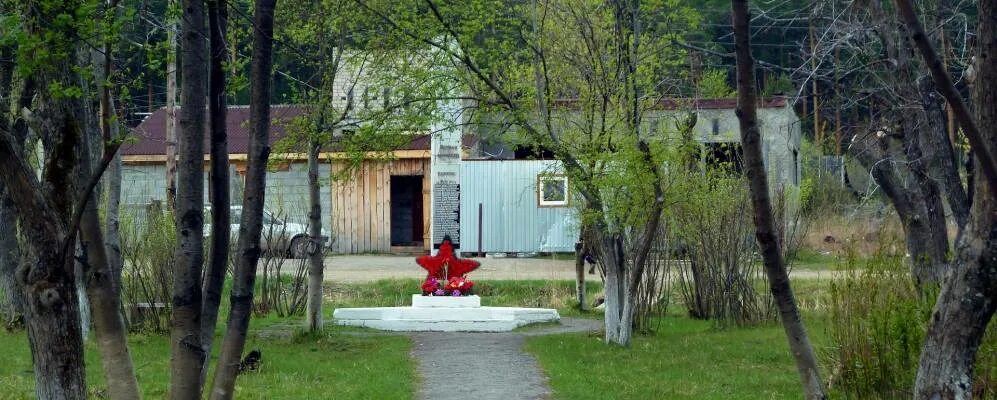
<point>251,226</point>
<point>580,251</point>
<point>112,338</point>
<point>99,275</point>
<point>969,295</point>
<point>980,146</point>
<point>51,308</point>
<point>316,269</point>
<point>220,194</point>
<point>939,154</point>
<point>185,337</point>
<point>765,230</point>
<point>10,256</point>
<point>171,116</point>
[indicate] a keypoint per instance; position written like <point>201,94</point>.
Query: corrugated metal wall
<point>511,219</point>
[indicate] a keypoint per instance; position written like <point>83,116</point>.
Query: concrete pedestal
<point>444,314</point>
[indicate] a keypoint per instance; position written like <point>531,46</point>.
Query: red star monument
<point>444,264</point>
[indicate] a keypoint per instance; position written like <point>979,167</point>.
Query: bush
<point>878,322</point>
<point>720,280</point>
<point>148,245</point>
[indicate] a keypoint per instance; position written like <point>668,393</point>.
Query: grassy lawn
<point>811,260</point>
<point>328,365</point>
<point>686,359</point>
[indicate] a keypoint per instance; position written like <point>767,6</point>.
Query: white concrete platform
<point>419,300</point>
<point>436,317</point>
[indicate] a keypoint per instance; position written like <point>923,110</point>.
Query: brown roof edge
<point>696,104</point>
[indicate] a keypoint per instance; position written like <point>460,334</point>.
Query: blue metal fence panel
<point>511,219</point>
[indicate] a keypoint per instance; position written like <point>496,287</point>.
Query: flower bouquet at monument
<point>456,286</point>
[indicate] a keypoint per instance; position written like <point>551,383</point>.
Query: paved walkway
<point>485,366</point>
<point>368,268</point>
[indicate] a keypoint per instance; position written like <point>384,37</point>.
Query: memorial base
<point>444,314</point>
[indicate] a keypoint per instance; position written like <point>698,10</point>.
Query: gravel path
<point>485,366</point>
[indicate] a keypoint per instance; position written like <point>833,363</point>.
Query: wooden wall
<point>361,206</point>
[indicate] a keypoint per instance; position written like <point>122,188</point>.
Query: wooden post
<point>480,219</point>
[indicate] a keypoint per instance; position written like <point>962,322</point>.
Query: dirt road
<point>368,268</point>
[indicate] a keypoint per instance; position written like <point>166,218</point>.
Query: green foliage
<point>720,283</point>
<point>879,321</point>
<point>782,84</point>
<point>148,243</point>
<point>713,85</point>
<point>820,193</point>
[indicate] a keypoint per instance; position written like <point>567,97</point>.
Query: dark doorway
<point>406,211</point>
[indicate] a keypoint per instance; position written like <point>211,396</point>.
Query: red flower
<point>459,283</point>
<point>430,285</point>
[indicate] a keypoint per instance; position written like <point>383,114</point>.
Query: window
<point>552,191</point>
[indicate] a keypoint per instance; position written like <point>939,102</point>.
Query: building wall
<point>512,221</point>
<point>286,194</point>
<point>779,127</point>
<point>361,205</point>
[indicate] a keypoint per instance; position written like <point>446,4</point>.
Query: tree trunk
<point>580,251</point>
<point>171,115</point>
<point>944,85</point>
<point>969,296</point>
<point>938,153</point>
<point>11,303</point>
<point>316,269</point>
<point>99,276</point>
<point>51,308</point>
<point>112,240</point>
<point>220,194</point>
<point>251,226</point>
<point>765,230</point>
<point>112,338</point>
<point>187,353</point>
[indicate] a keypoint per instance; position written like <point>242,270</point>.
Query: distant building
<point>524,204</point>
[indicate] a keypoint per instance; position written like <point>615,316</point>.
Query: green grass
<point>299,367</point>
<point>686,359</point>
<point>811,260</point>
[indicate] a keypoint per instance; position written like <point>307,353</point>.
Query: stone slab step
<point>443,319</point>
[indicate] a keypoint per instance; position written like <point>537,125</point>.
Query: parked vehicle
<point>278,234</point>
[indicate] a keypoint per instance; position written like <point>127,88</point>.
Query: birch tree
<point>187,354</point>
<point>220,196</point>
<point>251,226</point>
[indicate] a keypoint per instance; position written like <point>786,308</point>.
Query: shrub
<point>713,85</point>
<point>148,243</point>
<point>878,322</point>
<point>715,231</point>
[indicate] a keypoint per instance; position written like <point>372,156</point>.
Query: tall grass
<point>878,319</point>
<point>148,243</point>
